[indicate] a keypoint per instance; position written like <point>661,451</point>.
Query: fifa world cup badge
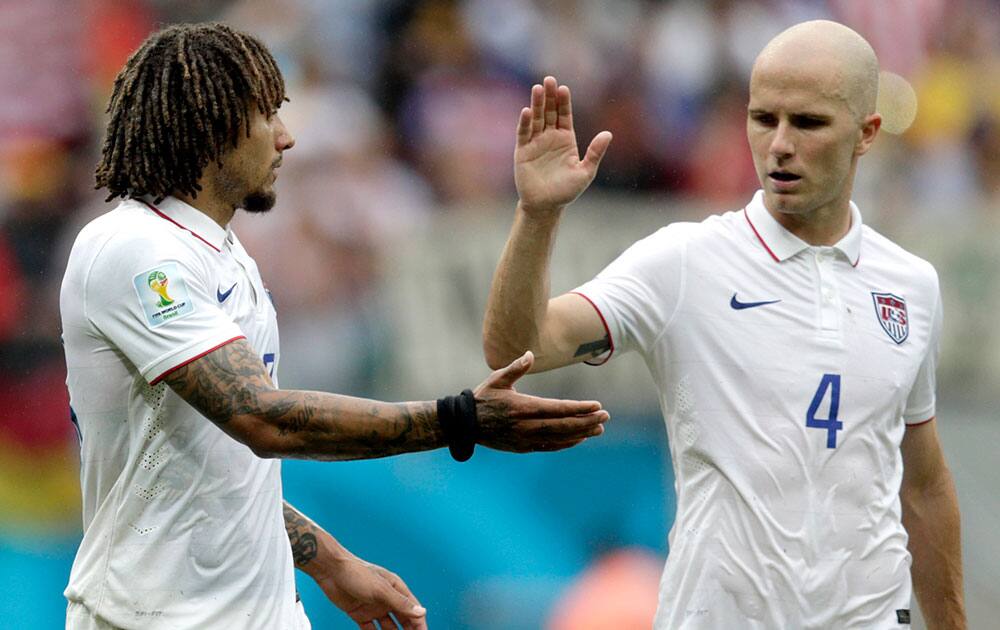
<point>163,294</point>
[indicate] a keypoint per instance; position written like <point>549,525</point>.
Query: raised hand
<point>509,421</point>
<point>548,170</point>
<point>369,594</point>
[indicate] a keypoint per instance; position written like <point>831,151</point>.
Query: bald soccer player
<point>794,349</point>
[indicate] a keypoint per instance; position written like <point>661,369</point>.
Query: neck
<point>210,204</point>
<point>822,226</point>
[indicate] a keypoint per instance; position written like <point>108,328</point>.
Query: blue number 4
<point>830,423</point>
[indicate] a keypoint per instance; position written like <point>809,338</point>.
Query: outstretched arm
<point>365,591</point>
<point>931,518</point>
<point>549,175</point>
<point>230,387</point>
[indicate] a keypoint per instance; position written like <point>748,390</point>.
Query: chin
<point>260,201</point>
<point>785,203</point>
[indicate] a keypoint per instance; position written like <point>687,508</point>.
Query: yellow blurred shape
<point>33,169</point>
<point>897,102</point>
<point>946,86</point>
<point>38,491</point>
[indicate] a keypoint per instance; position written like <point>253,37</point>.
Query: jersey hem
<point>607,330</point>
<point>919,422</point>
<point>156,380</point>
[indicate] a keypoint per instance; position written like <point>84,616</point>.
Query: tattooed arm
<point>230,387</point>
<point>363,590</point>
<point>549,175</point>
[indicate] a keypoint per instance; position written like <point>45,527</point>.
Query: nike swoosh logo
<point>739,306</point>
<point>223,296</point>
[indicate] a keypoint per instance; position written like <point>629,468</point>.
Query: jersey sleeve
<point>158,310</point>
<point>921,403</point>
<point>637,294</point>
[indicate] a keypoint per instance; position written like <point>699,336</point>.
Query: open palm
<point>548,170</point>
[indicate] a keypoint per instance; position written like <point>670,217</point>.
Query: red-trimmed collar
<point>190,219</point>
<point>782,244</point>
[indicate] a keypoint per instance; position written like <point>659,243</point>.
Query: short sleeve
<point>921,403</point>
<point>637,294</point>
<point>157,310</point>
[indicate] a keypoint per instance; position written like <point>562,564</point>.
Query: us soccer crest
<point>891,312</point>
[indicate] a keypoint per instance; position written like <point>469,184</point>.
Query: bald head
<point>839,60</point>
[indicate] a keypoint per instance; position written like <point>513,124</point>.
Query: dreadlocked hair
<point>180,102</point>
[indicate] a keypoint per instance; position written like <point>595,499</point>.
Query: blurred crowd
<point>404,111</point>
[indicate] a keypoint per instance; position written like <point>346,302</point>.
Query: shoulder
<point>681,234</point>
<point>128,240</point>
<point>887,257</point>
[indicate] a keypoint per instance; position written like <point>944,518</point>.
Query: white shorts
<point>78,617</point>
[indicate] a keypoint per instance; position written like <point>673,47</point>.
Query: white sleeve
<point>156,308</point>
<point>638,293</point>
<point>921,403</point>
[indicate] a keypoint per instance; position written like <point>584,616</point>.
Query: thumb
<point>595,152</point>
<point>505,378</point>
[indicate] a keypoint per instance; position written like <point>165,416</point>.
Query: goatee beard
<point>258,202</point>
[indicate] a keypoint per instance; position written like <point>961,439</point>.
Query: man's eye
<point>809,123</point>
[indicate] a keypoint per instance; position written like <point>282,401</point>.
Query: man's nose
<point>283,139</point>
<point>782,143</point>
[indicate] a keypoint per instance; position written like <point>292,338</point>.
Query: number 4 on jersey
<point>830,423</point>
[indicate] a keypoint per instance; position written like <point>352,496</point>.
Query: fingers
<point>550,107</point>
<point>416,619</point>
<point>523,406</point>
<point>402,606</point>
<point>549,430</point>
<point>537,109</point>
<point>551,99</point>
<point>524,127</point>
<point>386,623</point>
<point>548,435</point>
<point>552,434</point>
<point>398,584</point>
<point>401,602</point>
<point>412,623</point>
<point>564,119</point>
<point>557,446</point>
<point>504,378</point>
<point>595,152</point>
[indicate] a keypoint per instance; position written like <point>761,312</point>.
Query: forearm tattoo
<point>594,348</point>
<point>232,382</point>
<point>302,535</point>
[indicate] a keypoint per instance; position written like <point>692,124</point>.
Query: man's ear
<point>869,130</point>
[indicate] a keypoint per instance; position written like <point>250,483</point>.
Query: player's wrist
<point>541,211</point>
<point>459,422</point>
<point>331,559</point>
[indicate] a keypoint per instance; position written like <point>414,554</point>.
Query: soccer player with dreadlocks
<point>172,352</point>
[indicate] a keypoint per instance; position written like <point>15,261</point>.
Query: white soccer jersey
<point>183,525</point>
<point>786,374</point>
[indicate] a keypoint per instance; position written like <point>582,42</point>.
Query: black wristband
<point>459,423</point>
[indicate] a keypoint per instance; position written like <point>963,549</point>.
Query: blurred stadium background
<point>392,211</point>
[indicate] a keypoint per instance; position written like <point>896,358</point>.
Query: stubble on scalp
<point>822,46</point>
